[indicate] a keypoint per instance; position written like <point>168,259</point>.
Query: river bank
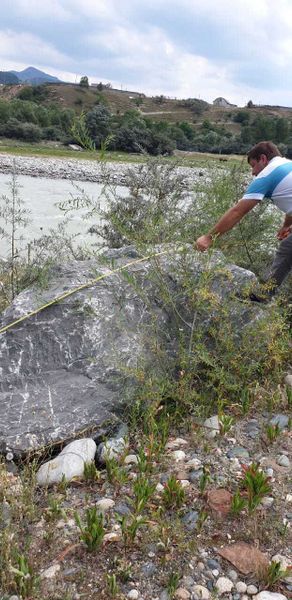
<point>82,170</point>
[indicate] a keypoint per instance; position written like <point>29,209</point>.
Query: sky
<point>238,49</point>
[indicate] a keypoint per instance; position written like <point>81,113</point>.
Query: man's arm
<point>227,221</point>
<point>286,228</point>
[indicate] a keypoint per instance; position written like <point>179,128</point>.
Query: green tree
<point>84,81</point>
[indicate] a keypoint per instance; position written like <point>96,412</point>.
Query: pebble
<point>238,452</point>
<point>176,443</point>
<point>224,585</point>
<point>267,502</point>
<point>131,459</point>
<point>231,574</point>
<point>105,504</point>
<point>178,455</point>
<point>212,427</point>
<point>122,509</point>
<point>269,472</point>
<point>159,488</point>
<point>51,571</point>
<point>133,595</point>
<point>288,498</point>
<point>112,448</point>
<point>200,565</point>
<point>283,461</point>
<point>195,475</point>
<point>194,463</point>
<point>251,590</point>
<point>241,587</point>
<point>201,592</point>
<point>281,420</point>
<point>182,594</point>
<point>190,521</point>
<point>213,564</point>
<point>266,595</point>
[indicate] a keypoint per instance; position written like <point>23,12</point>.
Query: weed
<point>289,395</point>
<point>143,490</point>
<point>245,401</point>
<point>54,510</point>
<point>63,485</point>
<point>225,424</point>
<point>256,484</point>
<point>112,584</point>
<point>130,526</point>
<point>173,494</point>
<point>172,583</point>
<point>204,479</point>
<point>115,473</point>
<point>93,530</point>
<point>273,574</point>
<point>91,474</point>
<point>25,580</point>
<point>203,516</point>
<point>238,503</point>
<point>272,431</point>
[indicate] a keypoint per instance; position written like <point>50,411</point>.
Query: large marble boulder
<point>71,368</point>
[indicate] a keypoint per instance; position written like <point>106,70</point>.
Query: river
<point>41,197</point>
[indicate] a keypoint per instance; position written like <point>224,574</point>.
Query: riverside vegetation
<point>150,541</point>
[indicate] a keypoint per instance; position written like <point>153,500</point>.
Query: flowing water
<point>41,197</point>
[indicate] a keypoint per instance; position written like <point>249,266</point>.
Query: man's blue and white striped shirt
<point>274,182</point>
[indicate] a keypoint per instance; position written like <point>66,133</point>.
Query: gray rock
<point>283,460</point>
<point>194,476</point>
<point>122,509</point>
<point>212,426</point>
<point>113,448</point>
<point>281,420</point>
<point>67,368</point>
<point>190,520</point>
<point>213,564</point>
<point>231,574</point>
<point>238,452</point>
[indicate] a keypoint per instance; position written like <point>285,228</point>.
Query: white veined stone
<point>223,585</point>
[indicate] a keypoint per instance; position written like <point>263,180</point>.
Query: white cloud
<point>24,46</point>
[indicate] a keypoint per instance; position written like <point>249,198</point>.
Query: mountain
<point>34,76</point>
<point>8,77</point>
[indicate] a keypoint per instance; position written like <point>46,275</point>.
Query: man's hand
<point>203,243</point>
<point>284,232</point>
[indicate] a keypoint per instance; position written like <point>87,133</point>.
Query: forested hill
<point>131,121</point>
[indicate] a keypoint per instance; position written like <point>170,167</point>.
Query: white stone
<point>266,595</point>
<point>212,426</point>
<point>113,448</point>
<point>251,590</point>
<point>288,379</point>
<point>241,587</point>
<point>68,464</point>
<point>113,536</point>
<point>288,498</point>
<point>51,571</point>
<point>215,572</point>
<point>105,504</point>
<point>159,488</point>
<point>178,455</point>
<point>224,585</point>
<point>185,483</point>
<point>133,595</point>
<point>267,502</point>
<point>131,459</point>
<point>201,592</point>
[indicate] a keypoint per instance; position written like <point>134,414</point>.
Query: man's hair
<point>269,149</point>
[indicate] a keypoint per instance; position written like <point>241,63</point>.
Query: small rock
<point>133,595</point>
<point>105,504</point>
<point>288,498</point>
<point>113,536</point>
<point>185,483</point>
<point>231,574</point>
<point>113,448</point>
<point>266,595</point>
<point>283,461</point>
<point>122,509</point>
<point>200,565</point>
<point>281,420</point>
<point>224,585</point>
<point>269,472</point>
<point>178,455</point>
<point>241,587</point>
<point>212,427</point>
<point>251,590</point>
<point>51,571</point>
<point>190,520</point>
<point>193,463</point>
<point>172,444</point>
<point>182,594</point>
<point>267,502</point>
<point>159,488</point>
<point>194,476</point>
<point>201,592</point>
<point>238,452</point>
<point>213,564</point>
<point>131,459</point>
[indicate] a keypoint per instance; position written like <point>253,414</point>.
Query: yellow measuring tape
<point>79,288</point>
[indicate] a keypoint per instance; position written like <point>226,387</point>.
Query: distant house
<point>223,103</point>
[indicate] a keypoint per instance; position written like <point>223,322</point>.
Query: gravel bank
<point>81,170</point>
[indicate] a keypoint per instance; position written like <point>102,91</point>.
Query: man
<point>273,179</point>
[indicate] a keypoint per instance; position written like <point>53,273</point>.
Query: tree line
<point>28,117</point>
